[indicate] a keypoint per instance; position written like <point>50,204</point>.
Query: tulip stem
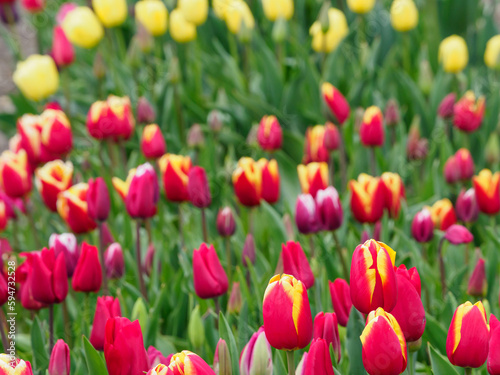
<point>250,221</point>
<point>373,161</point>
<point>181,232</point>
<point>341,256</point>
<point>342,161</point>
<point>441,267</point>
<point>31,222</point>
<point>311,245</point>
<point>138,260</point>
<point>468,371</point>
<point>493,223</point>
<point>228,257</point>
<point>67,325</point>
<point>204,225</point>
<point>178,112</point>
<point>103,266</point>
<point>51,327</point>
<point>291,362</point>
<point>3,324</point>
<point>411,362</point>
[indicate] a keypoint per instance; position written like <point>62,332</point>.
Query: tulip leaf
<point>226,334</point>
<point>40,355</point>
<point>439,363</point>
<point>354,329</point>
<point>95,363</point>
<point>435,332</point>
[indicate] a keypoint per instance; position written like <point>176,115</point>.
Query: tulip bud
<point>361,6</point>
<point>153,15</point>
<point>270,135</point>
<point>33,6</point>
<point>477,283</point>
<point>194,11</point>
<point>98,199</point>
<point>373,280</point>
<point>156,357</point>
<point>270,180</point>
<point>195,137</point>
<point>239,19</point>
<point>114,262</point>
<point>235,299</point>
<point>222,359</point>
<point>15,178</point>
<point>196,329</point>
<point>367,198</point>
<point>417,148</point>
<point>287,314</point>
<point>443,214</point>
<point>226,225</point>
<point>332,137</point>
<point>404,15</point>
<point>248,254</point>
<point>106,308</point>
<point>453,54</point>
<point>140,313</point>
<point>394,191</point>
<point>37,77</point>
<point>314,148</point>
<point>313,177</point>
<point>256,357</point>
<point>326,328</point>
<point>66,243</point>
<point>337,104</point>
<point>487,188</point>
<point>492,150</point>
<point>466,206</point>
<point>111,119</point>
<point>372,132</point>
<point>306,215</point>
<point>145,112</point>
<point>153,144</point>
<point>445,109</point>
<point>198,189</point>
<point>82,27</point>
<point>110,12</point>
<point>383,338</point>
<point>49,276</point>
<point>492,52</point>
<point>391,115</point>
<point>329,30</point>
<point>247,182</point>
<point>88,275</point>
<point>459,167</point>
<point>59,359</point>
<point>280,30</point>
<point>493,363</point>
<point>468,336</point>
<point>51,179</point>
<point>210,279</point>
<point>458,234</point>
<point>275,10</point>
<point>341,300</point>
<point>469,112</point>
<point>62,52</point>
<point>215,120</point>
<point>295,263</point>
<point>175,170</point>
<point>422,226</point>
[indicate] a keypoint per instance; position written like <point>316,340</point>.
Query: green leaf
<point>435,332</point>
<point>226,334</point>
<point>354,329</point>
<point>95,363</point>
<point>439,363</point>
<point>40,355</point>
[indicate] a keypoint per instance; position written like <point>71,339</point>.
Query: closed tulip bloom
<point>382,338</point>
<point>287,314</point>
<point>468,336</point>
<point>110,12</point>
<point>487,188</point>
<point>313,177</point>
<point>458,234</point>
<point>306,214</point>
<point>59,359</point>
<point>317,361</point>
<point>106,308</point>
<point>111,119</point>
<point>67,244</point>
<point>82,27</point>
<point>453,54</point>
<point>329,208</point>
<point>492,52</point>
<point>372,132</point>
<point>445,109</point>
<point>270,180</point>
<point>295,263</point>
<point>404,15</point>
<point>33,6</point>
<point>50,279</point>
<point>220,7</point>
<point>341,300</point>
<point>195,137</point>
<point>62,51</point>
<point>98,199</point>
<point>153,15</point>
<point>198,189</point>
<point>16,367</point>
<point>114,262</point>
<point>367,198</point>
<point>248,253</point>
<point>51,179</point>
<point>175,170</point>
<point>338,107</point>
<point>247,182</point>
<point>270,135</point>
<point>222,359</point>
<point>64,9</point>
<point>235,299</point>
<point>326,328</point>
<point>478,284</point>
<point>443,214</point>
<point>194,11</point>
<point>153,144</point>
<point>238,17</point>
<point>88,276</point>
<point>226,226</point>
<point>417,147</point>
<point>493,363</point>
<point>332,137</point>
<point>73,208</point>
<point>145,112</point>
<point>314,147</point>
<point>391,114</point>
<point>328,41</point>
<point>181,30</point>
<point>466,207</point>
<point>273,10</point>
<point>360,6</point>
<point>124,347</point>
<point>28,138</point>
<point>56,135</point>
<point>422,226</point>
<point>469,112</point>
<point>37,77</point>
<point>256,357</point>
<point>373,280</point>
<point>394,192</point>
<point>24,276</point>
<point>210,279</point>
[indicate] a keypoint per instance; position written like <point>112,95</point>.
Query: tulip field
<point>250,187</point>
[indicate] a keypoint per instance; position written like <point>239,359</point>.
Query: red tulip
<point>51,179</point>
<point>394,192</point>
<point>477,283</point>
<point>313,177</point>
<point>4,289</point>
<point>332,137</point>
<point>62,52</point>
<point>28,138</point>
<point>183,363</point>
<point>493,363</point>
<point>341,300</point>
<point>422,226</point>
<point>329,208</point>
<point>247,182</point>
<point>459,167</point>
<point>270,180</point>
<point>153,144</point>
<point>98,199</point>
<point>56,134</point>
<point>24,276</point>
<point>15,178</point>
<point>317,361</point>
<point>487,188</point>
<point>445,109</point>
<point>49,277</point>
<point>114,262</point>
<point>210,279</point>
<point>338,106</point>
<point>443,214</point>
<point>73,208</point>
<point>417,147</point>
<point>106,308</point>
<point>111,119</point>
<point>175,170</point>
<point>88,275</point>
<point>372,132</point>
<point>12,205</point>
<point>66,243</point>
<point>59,359</point>
<point>226,225</point>
<point>367,198</point>
<point>458,234</point>
<point>270,135</point>
<point>306,214</point>
<point>33,6</point>
<point>3,215</point>
<point>314,147</point>
<point>326,328</point>
<point>198,189</point>
<point>295,263</point>
<point>468,113</point>
<point>466,206</point>
<point>145,112</point>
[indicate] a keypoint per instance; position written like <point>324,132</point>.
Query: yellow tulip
<point>337,30</point>
<point>111,12</point>
<point>492,53</point>
<point>274,9</point>
<point>37,77</point>
<point>238,14</point>
<point>194,11</point>
<point>153,15</point>
<point>453,54</point>
<point>181,30</point>
<point>404,15</point>
<point>360,6</point>
<point>82,27</point>
<point>220,7</point>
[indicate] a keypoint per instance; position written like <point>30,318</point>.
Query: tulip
<point>235,299</point>
<point>226,226</point>
<point>50,278</point>
<point>468,336</point>
<point>493,363</point>
<point>114,262</point>
<point>110,12</point>
<point>239,17</point>
<point>181,30</point>
<point>394,192</point>
<point>73,208</point>
<point>111,119</point>
<point>328,40</point>
<point>198,189</point>
<point>55,131</point>
<point>248,253</point>
<point>156,357</point>
<point>194,11</point>
<point>12,205</point>
<point>37,77</point>
<point>152,15</point>
<point>281,9</point>
<point>210,280</point>
<point>175,170</point>
<point>382,338</point>
<point>15,179</point>
<point>106,308</point>
<point>459,167</point>
<point>33,6</point>
<point>24,276</point>
<point>314,149</point>
<point>287,314</point>
<point>417,147</point>
<point>59,359</point>
<point>317,361</point>
<point>3,216</point>
<point>220,7</point>
<point>295,263</point>
<point>466,206</point>
<point>183,363</point>
<point>487,188</point>
<point>332,137</point>
<point>140,191</point>
<point>458,234</point>
<point>145,112</point>
<point>222,359</point>
<point>367,198</point>
<point>453,54</point>
<point>256,357</point>
<point>341,300</point>
<point>98,199</point>
<point>66,243</point>
<point>391,115</point>
<point>422,226</point>
<point>52,179</point>
<point>14,367</point>
<point>270,180</point>
<point>153,144</point>
<point>62,51</point>
<point>404,15</point>
<point>360,6</point>
<point>29,138</point>
<point>313,177</point>
<point>492,52</point>
<point>82,27</point>
<point>469,112</point>
<point>306,215</point>
<point>270,135</point>
<point>247,182</point>
<point>88,276</point>
<point>329,208</point>
<point>124,347</point>
<point>337,105</point>
<point>373,280</point>
<point>325,327</point>
<point>443,214</point>
<point>445,109</point>
<point>371,131</point>
<point>64,9</point>
<point>477,283</point>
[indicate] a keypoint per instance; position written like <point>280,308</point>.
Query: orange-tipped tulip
<point>247,182</point>
<point>72,207</point>
<point>443,214</point>
<point>111,119</point>
<point>338,107</point>
<point>313,177</point>
<point>373,280</point>
<point>372,131</point>
<point>394,192</point>
<point>469,112</point>
<point>51,179</point>
<point>270,180</point>
<point>287,314</point>
<point>153,144</point>
<point>175,171</point>
<point>384,346</point>
<point>15,178</point>
<point>314,148</point>
<point>270,135</point>
<point>367,198</point>
<point>468,336</point>
<point>487,187</point>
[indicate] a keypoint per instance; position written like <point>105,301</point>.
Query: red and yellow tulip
<point>338,107</point>
<point>111,119</point>
<point>183,363</point>
<point>270,180</point>
<point>15,178</point>
<point>247,182</point>
<point>270,135</point>
<point>443,214</point>
<point>487,187</point>
<point>313,177</point>
<point>73,209</point>
<point>153,144</point>
<point>314,149</point>
<point>56,135</point>
<point>372,131</point>
<point>175,170</point>
<point>469,112</point>
<point>394,192</point>
<point>367,198</point>
<point>16,367</point>
<point>51,179</point>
